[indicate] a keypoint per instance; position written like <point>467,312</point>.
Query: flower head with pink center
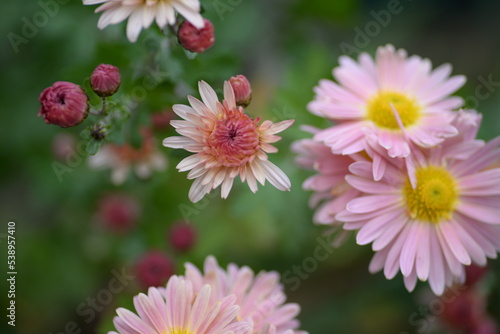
<point>260,297</point>
<point>226,143</point>
<point>122,158</point>
<point>142,13</point>
<point>434,223</point>
<point>397,99</point>
<point>180,309</point>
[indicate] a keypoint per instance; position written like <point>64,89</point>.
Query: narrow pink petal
<point>371,203</point>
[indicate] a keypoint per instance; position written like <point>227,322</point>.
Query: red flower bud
<point>182,236</point>
<point>154,269</point>
<point>105,80</point>
<point>194,39</point>
<point>64,104</point>
<point>242,90</point>
<point>119,212</point>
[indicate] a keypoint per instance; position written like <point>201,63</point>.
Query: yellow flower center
<point>179,331</point>
<point>380,111</point>
<point>435,196</point>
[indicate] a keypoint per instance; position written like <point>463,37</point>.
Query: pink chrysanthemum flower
<point>329,184</point>
<point>122,158</point>
<point>226,143</point>
<point>390,102</point>
<point>261,298</point>
<point>445,217</point>
<point>180,310</point>
<point>142,13</point>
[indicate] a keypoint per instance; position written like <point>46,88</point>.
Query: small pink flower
<point>182,236</point>
<point>226,143</point>
<point>433,223</point>
<point>154,268</point>
<point>118,212</point>
<point>260,297</point>
<point>64,104</point>
<point>196,39</point>
<point>180,309</point>
<point>105,80</point>
<point>391,102</point>
<point>242,90</point>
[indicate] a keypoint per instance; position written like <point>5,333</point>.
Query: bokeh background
<point>65,254</point>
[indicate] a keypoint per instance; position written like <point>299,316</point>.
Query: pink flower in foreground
<point>390,102</point>
<point>142,13</point>
<point>431,226</point>
<point>181,309</point>
<point>226,143</point>
<point>64,104</point>
<point>122,158</point>
<point>261,298</point>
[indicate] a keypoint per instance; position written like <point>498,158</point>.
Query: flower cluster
<point>404,169</point>
<point>232,301</point>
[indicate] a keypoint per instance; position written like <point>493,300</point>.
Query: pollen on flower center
<point>234,139</point>
<point>380,112</point>
<point>435,196</point>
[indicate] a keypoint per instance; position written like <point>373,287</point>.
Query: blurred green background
<point>284,48</point>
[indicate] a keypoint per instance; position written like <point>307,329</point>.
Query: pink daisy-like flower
<point>391,102</point>
<point>142,13</point>
<point>431,225</point>
<point>122,158</point>
<point>226,143</point>
<point>329,185</point>
<point>181,309</point>
<point>261,298</point>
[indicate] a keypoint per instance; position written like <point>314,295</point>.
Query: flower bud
<point>105,80</point>
<point>154,269</point>
<point>98,132</point>
<point>182,236</point>
<point>242,90</point>
<point>194,39</point>
<point>64,104</point>
<point>118,212</point>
